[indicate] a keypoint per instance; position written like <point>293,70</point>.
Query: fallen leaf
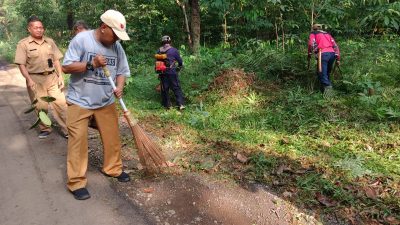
<point>370,192</point>
<point>350,215</point>
<point>237,165</point>
<point>349,188</point>
<point>372,222</point>
<point>129,171</point>
<point>287,194</point>
<point>170,164</point>
<point>376,183</point>
<point>148,190</point>
<point>284,141</point>
<point>276,183</point>
<point>392,220</point>
<point>283,168</point>
<point>368,148</point>
<point>300,171</point>
<point>325,144</point>
<point>325,200</point>
<point>241,158</point>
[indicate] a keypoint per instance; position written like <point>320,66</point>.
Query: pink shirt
<point>324,41</point>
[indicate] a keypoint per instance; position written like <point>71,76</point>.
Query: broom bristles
<point>150,155</point>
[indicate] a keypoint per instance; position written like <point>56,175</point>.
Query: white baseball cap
<point>117,22</point>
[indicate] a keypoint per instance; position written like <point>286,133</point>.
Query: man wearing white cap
<point>90,94</point>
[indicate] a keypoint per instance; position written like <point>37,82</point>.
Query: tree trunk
<point>7,32</point>
<point>189,38</point>
<point>276,35</point>
<point>283,34</point>
<point>225,26</point>
<point>312,14</point>
<point>70,19</point>
<point>195,25</point>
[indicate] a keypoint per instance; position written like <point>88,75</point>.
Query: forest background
<point>254,112</point>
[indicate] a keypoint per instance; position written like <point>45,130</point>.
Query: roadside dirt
<point>181,197</point>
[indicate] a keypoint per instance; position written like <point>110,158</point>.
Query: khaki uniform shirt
<point>35,55</point>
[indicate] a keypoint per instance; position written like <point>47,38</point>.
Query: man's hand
<point>30,84</point>
<point>179,68</point>
<point>99,61</point>
<point>119,86</point>
<point>61,82</point>
<point>118,92</point>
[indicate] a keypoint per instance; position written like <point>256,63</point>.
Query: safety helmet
<point>165,38</point>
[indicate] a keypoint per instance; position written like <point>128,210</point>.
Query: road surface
<point>33,172</point>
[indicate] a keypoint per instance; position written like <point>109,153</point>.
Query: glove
<point>179,68</point>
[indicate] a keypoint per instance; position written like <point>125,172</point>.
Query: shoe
<point>123,177</point>
<point>181,107</point>
<point>328,92</point>
<point>81,194</point>
<point>43,134</point>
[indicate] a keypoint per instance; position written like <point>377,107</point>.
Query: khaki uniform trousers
<point>47,85</point>
<point>77,158</point>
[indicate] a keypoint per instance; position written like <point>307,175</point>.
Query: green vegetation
<point>254,111</point>
<point>345,148</point>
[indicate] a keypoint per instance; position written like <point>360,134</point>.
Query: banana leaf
<point>35,101</point>
<point>44,118</point>
<point>30,110</point>
<point>48,98</point>
<point>35,124</point>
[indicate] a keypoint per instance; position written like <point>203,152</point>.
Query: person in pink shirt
<point>324,46</point>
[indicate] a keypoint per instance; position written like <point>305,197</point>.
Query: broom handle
<point>319,60</point>
<point>120,99</point>
<point>107,73</point>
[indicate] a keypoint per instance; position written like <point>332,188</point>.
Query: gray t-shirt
<point>92,89</point>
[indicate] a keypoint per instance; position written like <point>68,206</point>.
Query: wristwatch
<point>89,66</point>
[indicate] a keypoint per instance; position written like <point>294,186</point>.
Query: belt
<point>44,73</point>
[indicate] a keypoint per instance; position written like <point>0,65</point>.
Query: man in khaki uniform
<point>38,59</point>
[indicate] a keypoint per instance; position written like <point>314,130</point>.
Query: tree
<point>195,24</point>
<point>8,17</point>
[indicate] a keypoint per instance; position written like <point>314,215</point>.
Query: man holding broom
<point>90,94</point>
<point>326,51</point>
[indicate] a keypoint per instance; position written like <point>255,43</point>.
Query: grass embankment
<point>271,124</point>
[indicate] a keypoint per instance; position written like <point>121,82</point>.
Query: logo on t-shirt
<point>97,76</point>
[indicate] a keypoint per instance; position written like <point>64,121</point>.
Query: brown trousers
<point>77,158</point>
<point>47,85</point>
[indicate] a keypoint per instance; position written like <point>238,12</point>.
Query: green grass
<point>343,144</point>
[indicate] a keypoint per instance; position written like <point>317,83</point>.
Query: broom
<point>150,155</point>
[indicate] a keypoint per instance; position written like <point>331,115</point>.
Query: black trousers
<point>170,82</point>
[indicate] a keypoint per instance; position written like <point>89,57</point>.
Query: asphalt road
<point>33,172</point>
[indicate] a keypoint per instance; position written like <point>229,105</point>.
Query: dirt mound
<point>232,81</point>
